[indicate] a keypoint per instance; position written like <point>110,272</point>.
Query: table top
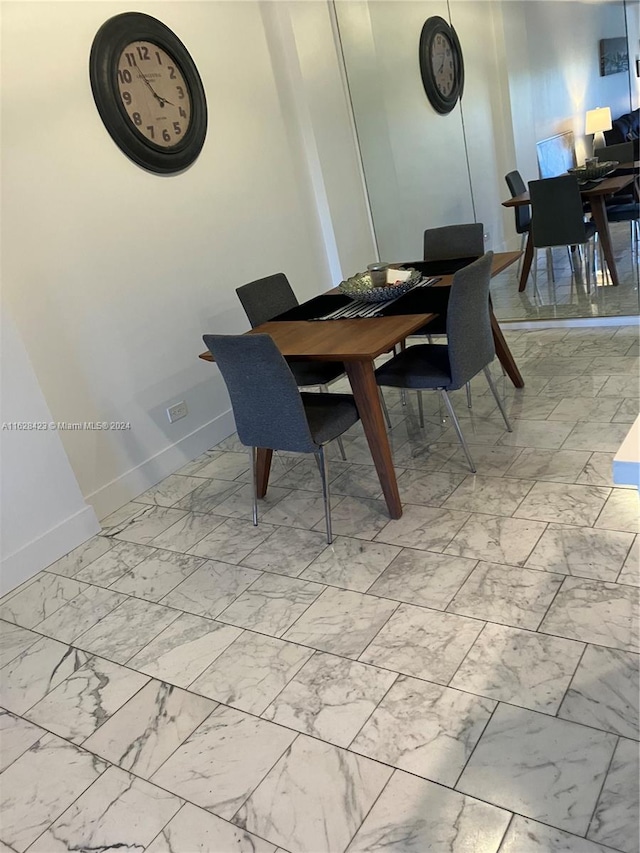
<point>353,340</point>
<point>607,186</point>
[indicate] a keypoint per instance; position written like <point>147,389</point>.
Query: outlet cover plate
<point>177,411</point>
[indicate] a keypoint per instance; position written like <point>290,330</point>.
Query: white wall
<point>113,273</point>
<point>41,517</point>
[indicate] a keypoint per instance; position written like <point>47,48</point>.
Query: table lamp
<point>596,121</point>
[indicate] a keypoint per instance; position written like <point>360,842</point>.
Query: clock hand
<point>162,100</point>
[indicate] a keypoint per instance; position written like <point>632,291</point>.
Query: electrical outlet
<point>177,411</point>
<point>487,237</point>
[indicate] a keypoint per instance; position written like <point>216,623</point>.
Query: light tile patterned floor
<point>462,680</point>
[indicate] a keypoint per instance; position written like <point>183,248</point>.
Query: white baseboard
<point>137,480</point>
<point>570,322</point>
<point>47,548</point>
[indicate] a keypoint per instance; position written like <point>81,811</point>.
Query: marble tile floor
<point>462,680</point>
<point>568,296</point>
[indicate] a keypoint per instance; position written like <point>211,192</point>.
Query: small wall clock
<point>441,64</point>
<point>148,92</point>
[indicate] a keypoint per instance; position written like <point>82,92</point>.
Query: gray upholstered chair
<point>522,213</point>
<point>270,296</point>
<point>269,409</point>
<point>623,153</point>
<point>265,299</point>
<point>444,244</point>
<point>469,348</point>
<point>630,213</point>
<point>557,219</point>
<point>453,241</point>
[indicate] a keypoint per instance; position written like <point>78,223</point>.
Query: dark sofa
<point>626,128</point>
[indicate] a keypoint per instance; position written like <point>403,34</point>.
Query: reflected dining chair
<point>522,213</point>
<point>469,348</point>
<point>629,212</point>
<point>271,412</point>
<point>265,299</point>
<point>622,152</point>
<point>557,219</point>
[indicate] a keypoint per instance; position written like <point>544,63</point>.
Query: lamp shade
<point>597,120</point>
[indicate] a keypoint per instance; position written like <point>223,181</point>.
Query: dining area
<point>302,349</point>
<point>567,200</point>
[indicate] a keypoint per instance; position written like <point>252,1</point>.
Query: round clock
<point>441,64</point>
<point>148,92</point>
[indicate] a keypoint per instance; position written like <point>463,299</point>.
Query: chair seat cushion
<point>329,415</point>
<point>309,373</point>
<point>624,212</point>
<point>422,366</point>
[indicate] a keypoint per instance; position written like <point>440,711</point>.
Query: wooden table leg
<point>367,397</point>
<point>599,215</point>
<point>504,354</point>
<point>526,263</point>
<point>263,467</point>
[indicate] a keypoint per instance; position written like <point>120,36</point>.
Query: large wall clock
<point>441,64</point>
<point>148,92</point>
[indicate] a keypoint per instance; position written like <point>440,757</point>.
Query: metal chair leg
<point>323,464</point>
<point>519,267</point>
<point>420,409</point>
<point>469,402</point>
<point>487,373</point>
<point>325,390</point>
<point>550,265</point>
<point>456,424</point>
<point>385,411</point>
<point>254,485</point>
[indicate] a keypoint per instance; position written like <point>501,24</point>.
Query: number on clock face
<point>442,64</point>
<point>154,93</point>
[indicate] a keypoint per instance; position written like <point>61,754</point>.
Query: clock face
<point>148,92</point>
<point>442,64</point>
<point>154,93</point>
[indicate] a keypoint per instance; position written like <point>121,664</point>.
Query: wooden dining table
<point>357,343</point>
<point>596,196</point>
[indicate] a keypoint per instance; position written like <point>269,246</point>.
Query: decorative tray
<point>594,173</point>
<point>360,286</point>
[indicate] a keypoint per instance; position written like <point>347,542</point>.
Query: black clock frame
<point>441,103</point>
<point>110,40</point>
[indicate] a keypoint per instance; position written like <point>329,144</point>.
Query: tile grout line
<point>605,776</point>
<point>570,683</point>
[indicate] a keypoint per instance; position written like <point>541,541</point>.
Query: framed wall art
<point>614,56</point>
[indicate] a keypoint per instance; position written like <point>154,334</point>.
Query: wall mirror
<point>531,72</point>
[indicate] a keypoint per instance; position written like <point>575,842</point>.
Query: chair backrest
<point>266,402</point>
<point>523,213</point>
<point>556,212</point>
<point>266,297</point>
<point>470,339</point>
<point>622,152</point>
<point>454,241</point>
